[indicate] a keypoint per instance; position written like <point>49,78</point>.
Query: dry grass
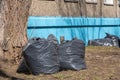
<point>103,63</point>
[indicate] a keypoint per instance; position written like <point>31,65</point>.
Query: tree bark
<point>13,26</point>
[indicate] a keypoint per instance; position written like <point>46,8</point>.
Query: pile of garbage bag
<point>47,56</point>
<point>108,40</point>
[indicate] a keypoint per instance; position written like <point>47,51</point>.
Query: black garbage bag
<point>41,57</point>
<point>109,40</point>
<point>52,38</point>
<point>22,68</point>
<point>111,36</point>
<point>116,39</point>
<point>101,42</point>
<point>72,55</point>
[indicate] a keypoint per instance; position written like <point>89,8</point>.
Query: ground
<point>103,63</point>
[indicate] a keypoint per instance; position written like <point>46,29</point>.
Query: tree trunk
<point>13,26</point>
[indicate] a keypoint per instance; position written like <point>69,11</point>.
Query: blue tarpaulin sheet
<point>70,27</point>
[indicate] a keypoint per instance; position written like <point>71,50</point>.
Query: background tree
<point>13,26</point>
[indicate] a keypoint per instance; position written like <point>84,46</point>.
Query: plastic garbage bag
<point>41,57</point>
<point>52,38</point>
<point>72,55</point>
<point>116,39</point>
<point>22,68</point>
<point>101,42</point>
<point>109,40</point>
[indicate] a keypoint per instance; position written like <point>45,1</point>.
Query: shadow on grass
<point>5,75</point>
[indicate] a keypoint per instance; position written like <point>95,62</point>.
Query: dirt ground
<point>103,63</point>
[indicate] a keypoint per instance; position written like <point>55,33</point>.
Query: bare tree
<point>13,26</point>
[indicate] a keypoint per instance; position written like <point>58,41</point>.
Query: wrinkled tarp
<point>70,27</point>
<point>71,55</point>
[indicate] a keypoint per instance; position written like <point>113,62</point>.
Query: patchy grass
<point>103,63</point>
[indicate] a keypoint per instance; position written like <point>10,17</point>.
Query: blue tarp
<point>70,27</point>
